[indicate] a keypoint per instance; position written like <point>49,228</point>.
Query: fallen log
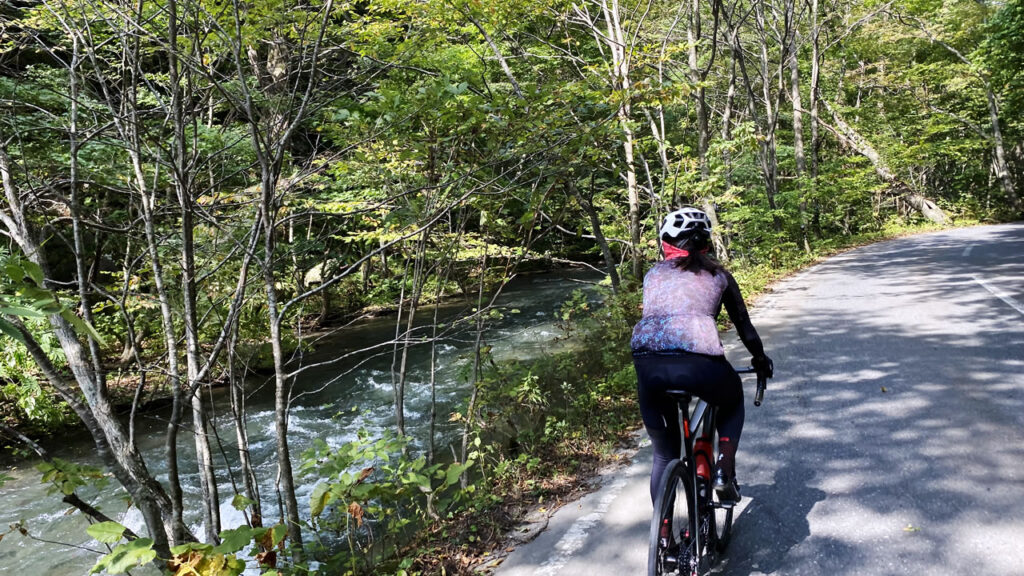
<point>853,140</point>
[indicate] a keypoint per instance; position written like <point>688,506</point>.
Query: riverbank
<point>338,403</point>
<point>124,379</point>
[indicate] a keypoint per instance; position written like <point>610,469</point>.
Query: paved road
<point>891,441</point>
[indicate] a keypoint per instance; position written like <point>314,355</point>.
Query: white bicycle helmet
<point>683,223</point>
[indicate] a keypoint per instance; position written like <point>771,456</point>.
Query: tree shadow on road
<point>779,509</point>
<point>891,439</point>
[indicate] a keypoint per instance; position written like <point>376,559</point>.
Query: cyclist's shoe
<point>672,560</point>
<point>676,559</point>
<point>674,553</point>
<point>727,488</point>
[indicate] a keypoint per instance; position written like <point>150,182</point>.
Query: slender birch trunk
<point>595,223</point>
<point>798,138</point>
<point>182,179</point>
<point>477,369</point>
<point>417,287</point>
<point>814,95</point>
<point>1002,168</point>
<point>617,45</point>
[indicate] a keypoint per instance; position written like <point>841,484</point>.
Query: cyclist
<point>676,345</point>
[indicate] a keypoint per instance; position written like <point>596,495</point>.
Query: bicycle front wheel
<point>672,545</point>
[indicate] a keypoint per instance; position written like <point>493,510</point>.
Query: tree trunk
<point>398,376</point>
<point>614,39</point>
<point>848,136</point>
<point>595,223</point>
<point>814,89</point>
<point>65,390</point>
<point>126,462</point>
<point>238,414</point>
<point>765,123</point>
<point>414,298</point>
<point>182,178</point>
<point>814,95</point>
<point>730,98</point>
<point>999,156</point>
<point>270,130</point>
<point>125,113</point>
<point>477,369</point>
<point>285,476</point>
<point>693,37</point>
<point>617,44</point>
<point>497,54</point>
<point>717,238</point>
<point>999,152</point>
<point>798,139</point>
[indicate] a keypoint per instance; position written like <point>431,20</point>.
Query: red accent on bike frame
<point>686,428</point>
<point>702,455</point>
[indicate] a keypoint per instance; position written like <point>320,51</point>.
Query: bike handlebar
<point>762,383</point>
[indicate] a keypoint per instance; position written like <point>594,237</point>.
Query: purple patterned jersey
<point>680,308</point>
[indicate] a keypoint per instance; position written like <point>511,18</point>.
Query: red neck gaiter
<point>673,252</point>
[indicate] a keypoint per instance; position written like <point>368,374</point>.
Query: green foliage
<point>24,299</point>
<point>577,400</point>
<point>222,560</point>
<point>36,405</point>
<point>375,495</point>
<point>106,532</point>
<point>240,503</point>
<point>1003,51</point>
<point>66,477</point>
<point>25,296</point>
<point>194,558</point>
<point>126,556</point>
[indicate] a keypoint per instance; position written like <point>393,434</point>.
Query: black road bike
<point>691,527</point>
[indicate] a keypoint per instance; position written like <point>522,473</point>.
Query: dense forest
<point>192,187</point>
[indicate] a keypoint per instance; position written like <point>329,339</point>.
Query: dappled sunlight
<point>978,540</point>
<point>839,518</point>
<point>907,432</point>
<point>809,430</point>
<point>858,376</point>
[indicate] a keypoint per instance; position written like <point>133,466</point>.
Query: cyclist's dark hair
<point>698,245</point>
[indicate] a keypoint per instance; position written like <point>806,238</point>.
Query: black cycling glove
<point>764,365</point>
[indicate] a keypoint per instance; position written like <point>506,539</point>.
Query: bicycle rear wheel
<point>723,524</point>
<point>672,546</point>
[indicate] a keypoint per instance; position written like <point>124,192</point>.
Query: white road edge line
<point>999,294</point>
<point>576,535</point>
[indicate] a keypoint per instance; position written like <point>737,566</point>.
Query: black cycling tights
<point>709,377</point>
